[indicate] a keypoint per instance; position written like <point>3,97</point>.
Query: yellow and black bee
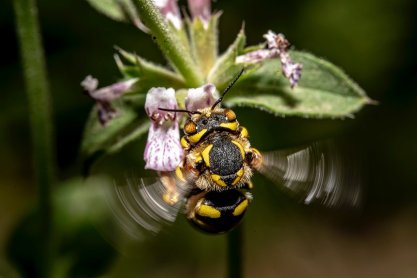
<point>218,164</point>
<point>213,181</point>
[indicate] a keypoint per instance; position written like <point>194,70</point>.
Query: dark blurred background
<point>373,41</point>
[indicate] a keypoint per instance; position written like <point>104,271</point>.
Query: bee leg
<point>189,172</point>
<point>254,158</point>
<point>243,132</point>
<point>171,195</point>
<point>195,196</point>
<point>248,185</point>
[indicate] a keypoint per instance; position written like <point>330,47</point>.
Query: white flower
<point>163,150</point>
<point>201,97</point>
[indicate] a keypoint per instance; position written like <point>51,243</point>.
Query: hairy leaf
<point>149,74</point>
<point>225,67</point>
<point>324,91</point>
<point>203,39</point>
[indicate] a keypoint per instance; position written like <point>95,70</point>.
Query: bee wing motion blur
<point>315,174</point>
<point>213,181</point>
<point>322,173</point>
<point>138,206</point>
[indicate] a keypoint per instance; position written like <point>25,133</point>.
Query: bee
<point>218,164</point>
<point>213,181</point>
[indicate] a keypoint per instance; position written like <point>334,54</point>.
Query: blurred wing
<point>319,173</point>
<point>138,207</point>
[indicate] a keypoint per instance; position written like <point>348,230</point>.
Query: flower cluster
<point>163,151</point>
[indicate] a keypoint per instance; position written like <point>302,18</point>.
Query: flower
<point>200,9</point>
<point>276,46</point>
<point>169,9</point>
<point>201,97</point>
<point>106,95</point>
<point>163,151</point>
<point>291,70</point>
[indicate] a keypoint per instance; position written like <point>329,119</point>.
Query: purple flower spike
<point>201,9</point>
<point>163,150</point>
<point>169,9</point>
<point>277,46</point>
<point>291,70</point>
<point>202,97</point>
<point>104,96</point>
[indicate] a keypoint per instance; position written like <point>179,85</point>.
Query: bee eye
<point>230,115</point>
<point>190,127</point>
<point>204,121</point>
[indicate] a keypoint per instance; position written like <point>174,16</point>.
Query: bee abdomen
<point>219,212</point>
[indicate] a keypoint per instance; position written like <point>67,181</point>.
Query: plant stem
<point>234,252</point>
<point>169,43</point>
<point>34,71</point>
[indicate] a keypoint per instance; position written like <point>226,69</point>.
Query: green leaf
<point>324,91</point>
<point>149,74</point>
<point>225,67</point>
<point>204,41</point>
<point>125,128</point>
<point>119,10</point>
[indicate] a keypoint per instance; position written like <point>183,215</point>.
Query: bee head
<point>203,121</point>
<point>210,120</point>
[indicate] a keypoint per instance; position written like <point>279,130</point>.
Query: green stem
<point>34,71</point>
<point>234,252</point>
<point>169,43</point>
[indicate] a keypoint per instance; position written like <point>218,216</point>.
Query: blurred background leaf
<point>118,10</point>
<point>81,250</point>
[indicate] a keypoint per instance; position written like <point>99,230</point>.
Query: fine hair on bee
<point>213,179</point>
<point>217,166</point>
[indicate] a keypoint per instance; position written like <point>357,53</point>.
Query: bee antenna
<point>228,88</point>
<point>180,110</point>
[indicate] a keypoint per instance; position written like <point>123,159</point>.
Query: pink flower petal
<point>169,9</point>
<point>104,96</point>
<point>256,56</point>
<point>160,98</point>
<point>201,97</point>
<point>200,8</point>
<point>277,46</point>
<point>163,150</point>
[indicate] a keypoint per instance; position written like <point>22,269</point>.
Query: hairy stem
<point>34,71</point>
<point>234,252</point>
<point>169,43</point>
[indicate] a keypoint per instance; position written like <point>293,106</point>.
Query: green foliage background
<point>373,41</point>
